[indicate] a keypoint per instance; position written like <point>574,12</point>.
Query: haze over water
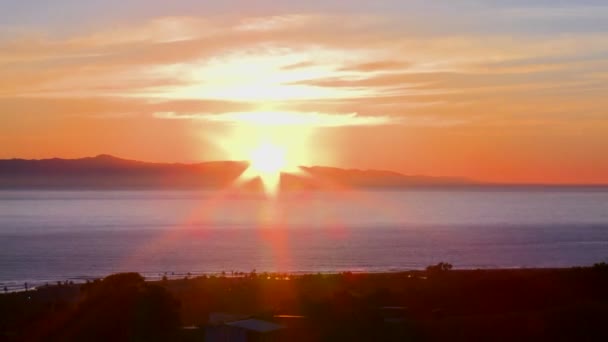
<point>46,236</point>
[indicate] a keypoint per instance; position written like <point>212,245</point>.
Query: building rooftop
<point>256,325</point>
<point>223,317</point>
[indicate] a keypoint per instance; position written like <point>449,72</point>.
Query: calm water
<point>47,236</point>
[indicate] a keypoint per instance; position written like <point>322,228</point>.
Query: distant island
<point>109,172</point>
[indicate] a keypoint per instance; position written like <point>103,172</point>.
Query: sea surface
<point>50,236</point>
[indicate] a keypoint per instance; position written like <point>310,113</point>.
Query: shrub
<point>440,267</point>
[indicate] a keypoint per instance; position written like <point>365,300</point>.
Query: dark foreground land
<point>437,304</point>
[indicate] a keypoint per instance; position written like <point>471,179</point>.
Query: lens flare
<point>267,161</point>
<point>271,143</point>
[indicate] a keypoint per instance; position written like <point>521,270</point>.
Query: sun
<point>272,143</point>
<point>268,159</point>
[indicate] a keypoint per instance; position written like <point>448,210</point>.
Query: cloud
<point>298,65</point>
<point>110,106</point>
<point>304,63</point>
<point>377,66</point>
<point>310,119</point>
<point>558,12</point>
<point>313,119</point>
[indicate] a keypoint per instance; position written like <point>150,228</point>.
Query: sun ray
<point>272,145</point>
<point>268,161</point>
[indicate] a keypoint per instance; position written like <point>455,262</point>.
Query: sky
<point>499,91</point>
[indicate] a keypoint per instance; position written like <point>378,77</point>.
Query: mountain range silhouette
<point>106,171</point>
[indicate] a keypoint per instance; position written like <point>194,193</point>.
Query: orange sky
<point>375,91</point>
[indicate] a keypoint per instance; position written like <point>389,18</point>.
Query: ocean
<point>50,236</point>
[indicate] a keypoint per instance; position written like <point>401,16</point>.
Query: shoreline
<point>79,281</point>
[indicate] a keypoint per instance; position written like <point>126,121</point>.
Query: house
<point>216,318</point>
<point>246,330</point>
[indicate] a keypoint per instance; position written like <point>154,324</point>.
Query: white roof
<point>256,325</point>
<point>223,317</point>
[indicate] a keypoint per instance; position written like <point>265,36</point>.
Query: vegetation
<point>436,304</point>
<point>440,267</point>
<point>122,307</point>
<point>601,266</point>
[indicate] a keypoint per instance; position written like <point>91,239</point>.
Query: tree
<point>440,267</point>
<point>123,307</point>
<point>600,266</point>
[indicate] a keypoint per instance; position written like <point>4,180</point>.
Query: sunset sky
<point>503,91</point>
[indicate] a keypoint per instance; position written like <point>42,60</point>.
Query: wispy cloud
<point>304,62</point>
<point>388,65</point>
<point>311,119</point>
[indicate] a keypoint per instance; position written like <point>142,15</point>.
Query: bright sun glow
<point>273,143</point>
<point>268,159</point>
